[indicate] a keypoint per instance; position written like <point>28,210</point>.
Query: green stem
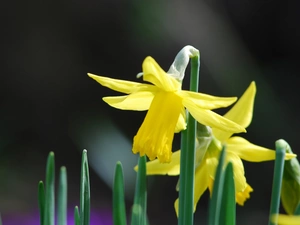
<point>187,157</point>
<point>277,178</point>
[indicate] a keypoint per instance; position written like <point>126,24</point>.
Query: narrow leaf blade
<point>49,213</point>
<point>76,216</point>
<point>119,212</point>
<point>216,199</point>
<point>62,197</point>
<point>41,200</point>
<point>228,209</point>
<point>84,191</point>
<point>139,209</point>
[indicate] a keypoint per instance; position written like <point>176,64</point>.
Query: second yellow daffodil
<point>237,148</point>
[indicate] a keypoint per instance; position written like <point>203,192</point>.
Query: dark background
<point>48,103</point>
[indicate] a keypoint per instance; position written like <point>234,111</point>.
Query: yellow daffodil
<point>285,219</point>
<point>166,102</point>
<point>237,148</point>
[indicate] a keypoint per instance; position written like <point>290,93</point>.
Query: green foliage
<point>84,191</point>
<point>216,199</point>
<point>290,192</point>
<point>139,208</point>
<point>280,146</point>
<point>119,211</point>
<point>62,197</point>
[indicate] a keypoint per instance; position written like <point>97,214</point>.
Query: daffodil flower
<point>166,102</point>
<point>237,148</point>
<point>285,219</point>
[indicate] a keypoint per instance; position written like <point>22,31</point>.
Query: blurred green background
<point>48,103</point>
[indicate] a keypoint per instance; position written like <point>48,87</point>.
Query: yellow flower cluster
<point>167,103</point>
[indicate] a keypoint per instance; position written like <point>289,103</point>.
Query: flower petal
<point>207,101</point>
<point>181,123</point>
<point>241,113</point>
<point>238,171</point>
<point>242,196</point>
<point>155,136</point>
<point>250,152</point>
<point>201,184</point>
<point>285,219</point>
<point>119,85</point>
<point>209,118</point>
<point>139,101</point>
<point>157,168</point>
<point>154,74</point>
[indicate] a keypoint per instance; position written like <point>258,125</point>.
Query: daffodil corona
<point>207,157</point>
<point>166,103</point>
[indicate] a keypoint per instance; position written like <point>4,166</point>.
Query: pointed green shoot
<point>139,208</point>
<point>1,220</point>
<point>281,146</point>
<point>84,191</point>
<point>76,216</point>
<point>119,212</point>
<point>216,199</point>
<point>49,213</point>
<point>41,200</point>
<point>187,157</point>
<point>62,197</point>
<point>228,207</point>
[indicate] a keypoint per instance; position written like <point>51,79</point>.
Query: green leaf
<point>119,212</point>
<point>62,197</point>
<point>41,200</point>
<point>139,208</point>
<point>76,216</point>
<point>228,207</point>
<point>1,220</point>
<point>290,191</point>
<point>84,191</point>
<point>216,199</point>
<point>49,192</point>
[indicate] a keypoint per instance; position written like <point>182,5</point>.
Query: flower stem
<point>187,157</point>
<point>277,179</point>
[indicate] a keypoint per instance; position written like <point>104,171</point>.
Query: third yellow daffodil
<point>166,102</point>
<point>285,219</point>
<point>237,148</point>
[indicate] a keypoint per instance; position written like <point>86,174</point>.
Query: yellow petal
<point>285,219</point>
<point>205,101</point>
<point>209,118</point>
<point>250,152</point>
<point>157,168</point>
<point>241,113</point>
<point>154,74</point>
<point>120,85</point>
<point>155,136</point>
<point>238,168</point>
<point>181,123</point>
<point>238,171</point>
<point>242,196</point>
<point>140,100</point>
<point>201,184</point>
